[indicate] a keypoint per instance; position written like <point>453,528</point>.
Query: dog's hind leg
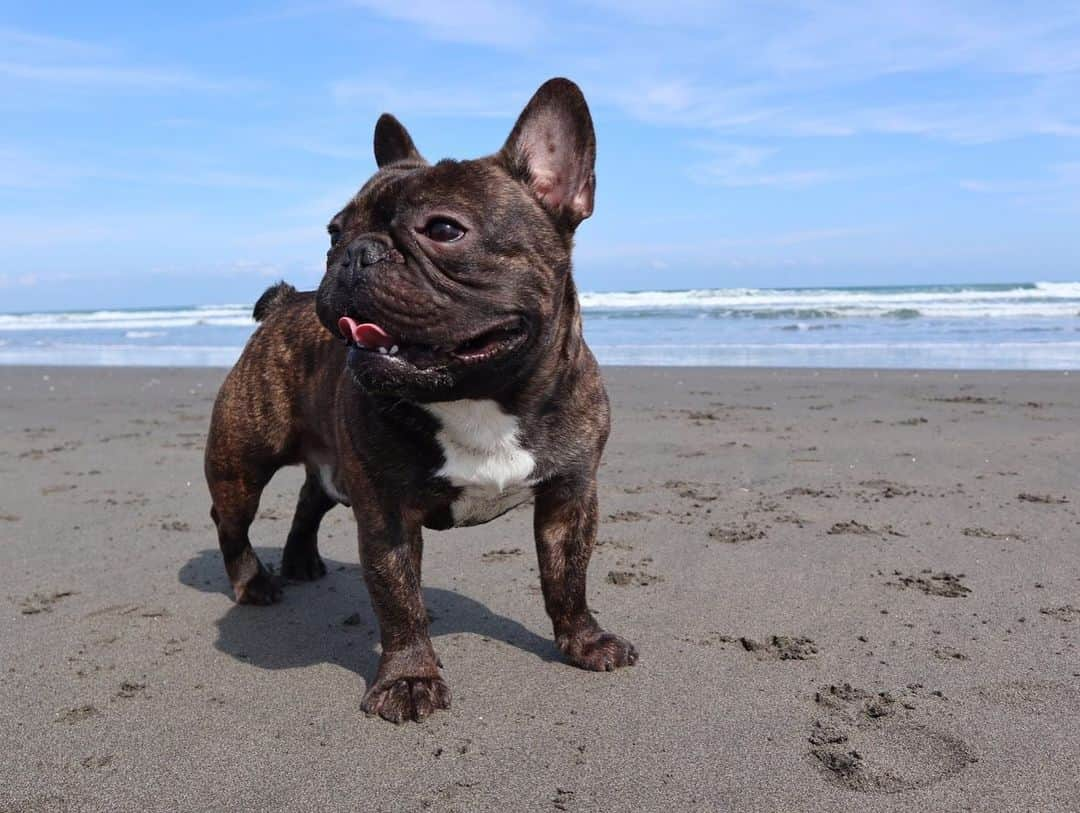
<point>239,464</point>
<point>236,500</point>
<point>300,560</point>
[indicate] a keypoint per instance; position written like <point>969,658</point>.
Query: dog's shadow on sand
<point>331,620</point>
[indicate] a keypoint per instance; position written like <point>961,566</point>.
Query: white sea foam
<point>215,316</point>
<point>1051,299</point>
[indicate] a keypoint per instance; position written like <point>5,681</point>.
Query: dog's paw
<point>302,566</point>
<point>406,699</point>
<point>597,650</point>
<point>262,588</point>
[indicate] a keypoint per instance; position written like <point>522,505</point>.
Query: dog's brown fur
<point>299,395</point>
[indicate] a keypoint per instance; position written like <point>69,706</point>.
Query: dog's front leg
<point>565,526</point>
<point>407,685</point>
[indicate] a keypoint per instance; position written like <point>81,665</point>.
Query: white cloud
<point>717,246</point>
<point>968,72</point>
<point>1056,189</point>
<point>742,165</point>
<point>15,42</point>
<point>29,231</point>
<point>964,72</point>
<point>143,78</point>
<point>402,98</point>
<point>30,57</point>
<point>483,22</point>
<point>21,169</point>
<point>18,281</point>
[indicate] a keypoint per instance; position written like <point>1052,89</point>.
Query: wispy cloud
<point>786,110</point>
<point>838,69</point>
<point>22,231</point>
<point>793,69</point>
<point>17,42</point>
<point>382,96</point>
<point>120,77</point>
<point>742,165</point>
<point>8,281</point>
<point>858,41</point>
<point>23,169</point>
<point>720,246</point>
<point>30,57</point>
<point>486,22</point>
<point>1056,189</point>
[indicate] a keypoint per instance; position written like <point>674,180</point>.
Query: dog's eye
<point>442,230</point>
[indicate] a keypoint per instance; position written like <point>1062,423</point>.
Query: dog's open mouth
<point>372,340</point>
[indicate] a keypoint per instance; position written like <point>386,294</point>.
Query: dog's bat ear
<point>552,148</point>
<point>393,142</point>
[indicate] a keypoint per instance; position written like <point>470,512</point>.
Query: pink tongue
<point>365,335</point>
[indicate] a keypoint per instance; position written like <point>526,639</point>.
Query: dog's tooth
<point>382,350</point>
<point>394,350</point>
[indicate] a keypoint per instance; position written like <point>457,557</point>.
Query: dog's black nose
<point>365,251</point>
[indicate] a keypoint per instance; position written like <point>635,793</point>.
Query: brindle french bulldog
<point>437,378</point>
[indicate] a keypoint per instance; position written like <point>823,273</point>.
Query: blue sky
<point>191,153</point>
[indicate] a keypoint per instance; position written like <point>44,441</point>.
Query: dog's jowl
<point>437,378</point>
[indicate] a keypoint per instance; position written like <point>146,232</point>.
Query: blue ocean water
<point>1009,326</point>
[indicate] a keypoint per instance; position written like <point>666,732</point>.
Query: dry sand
<point>850,591</point>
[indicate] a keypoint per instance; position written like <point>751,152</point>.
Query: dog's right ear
<point>393,142</point>
<point>552,148</point>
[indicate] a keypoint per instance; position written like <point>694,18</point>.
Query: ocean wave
<point>1059,300</point>
<point>213,316</point>
<point>1051,299</point>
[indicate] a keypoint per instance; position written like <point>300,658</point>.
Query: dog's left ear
<point>552,148</point>
<point>393,142</point>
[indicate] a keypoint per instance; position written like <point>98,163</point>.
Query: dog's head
<point>447,279</point>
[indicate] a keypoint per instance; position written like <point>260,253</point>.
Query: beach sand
<point>851,590</point>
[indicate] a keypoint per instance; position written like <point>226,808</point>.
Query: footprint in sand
<point>76,715</point>
<point>856,528</point>
<point>500,554</point>
<point>1066,612</point>
<point>875,742</point>
<point>781,648</point>
<point>1042,499</point>
<point>966,399</point>
<point>733,535</point>
<point>626,516</point>
<point>947,585</point>
<point>42,602</point>
<point>984,533</point>
<point>639,574</point>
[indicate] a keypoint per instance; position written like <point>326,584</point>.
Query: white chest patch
<point>484,458</point>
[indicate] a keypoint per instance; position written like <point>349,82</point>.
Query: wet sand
<point>850,590</point>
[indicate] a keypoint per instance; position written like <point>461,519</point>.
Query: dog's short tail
<point>272,297</point>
